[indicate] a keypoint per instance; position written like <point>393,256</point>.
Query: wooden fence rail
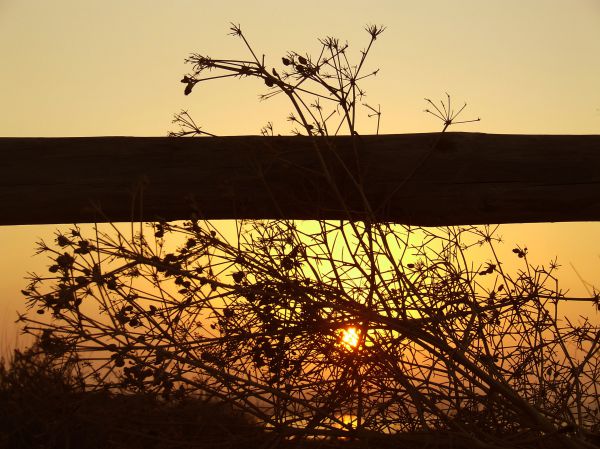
<point>421,179</point>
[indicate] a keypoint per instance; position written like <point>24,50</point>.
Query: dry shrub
<point>44,403</point>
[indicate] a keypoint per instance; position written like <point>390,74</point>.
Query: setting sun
<point>350,337</point>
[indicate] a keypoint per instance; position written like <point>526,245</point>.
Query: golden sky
<point>112,67</point>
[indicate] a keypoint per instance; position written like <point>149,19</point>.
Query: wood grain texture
<point>419,179</point>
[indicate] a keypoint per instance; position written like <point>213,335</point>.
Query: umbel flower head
<point>446,114</point>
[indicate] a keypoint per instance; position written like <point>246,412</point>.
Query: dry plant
<point>345,332</point>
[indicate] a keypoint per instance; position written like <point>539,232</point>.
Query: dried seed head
<point>374,30</point>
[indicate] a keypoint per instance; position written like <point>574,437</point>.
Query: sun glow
<point>350,338</point>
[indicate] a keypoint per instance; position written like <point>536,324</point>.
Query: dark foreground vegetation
<point>43,405</point>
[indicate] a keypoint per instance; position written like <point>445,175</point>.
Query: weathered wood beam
<point>421,179</point>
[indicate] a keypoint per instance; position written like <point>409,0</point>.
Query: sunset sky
<point>97,68</point>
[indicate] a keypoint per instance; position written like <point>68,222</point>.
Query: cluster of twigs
<point>259,320</point>
<point>350,330</point>
<point>323,91</point>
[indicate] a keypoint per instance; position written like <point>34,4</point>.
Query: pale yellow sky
<point>112,67</point>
